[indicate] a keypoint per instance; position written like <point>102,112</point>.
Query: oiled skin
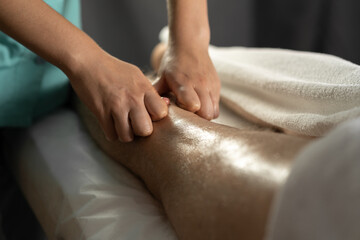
<point>214,181</point>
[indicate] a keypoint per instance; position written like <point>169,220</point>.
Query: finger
<point>107,125</point>
<point>160,85</point>
<point>156,106</point>
<point>215,102</point>
<point>207,110</point>
<point>122,126</point>
<point>141,121</point>
<point>187,98</point>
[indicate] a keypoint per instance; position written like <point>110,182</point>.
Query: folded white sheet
<point>321,197</point>
<point>301,92</point>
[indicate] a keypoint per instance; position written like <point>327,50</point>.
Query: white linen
<point>321,197</point>
<point>300,92</point>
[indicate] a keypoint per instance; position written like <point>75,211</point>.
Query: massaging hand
<point>120,96</point>
<point>191,76</point>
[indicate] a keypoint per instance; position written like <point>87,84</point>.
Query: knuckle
<point>135,101</point>
<point>116,105</point>
<point>184,89</point>
<point>202,80</point>
<point>181,78</point>
<point>114,101</point>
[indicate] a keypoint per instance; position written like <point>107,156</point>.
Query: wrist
<point>195,38</point>
<point>195,48</point>
<point>188,24</point>
<point>80,58</point>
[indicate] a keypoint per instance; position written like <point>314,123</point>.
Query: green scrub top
<point>29,86</point>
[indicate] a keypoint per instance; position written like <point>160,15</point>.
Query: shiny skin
<point>214,181</point>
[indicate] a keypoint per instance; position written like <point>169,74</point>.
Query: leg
<point>215,182</point>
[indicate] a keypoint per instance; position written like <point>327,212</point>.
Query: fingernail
<point>166,100</point>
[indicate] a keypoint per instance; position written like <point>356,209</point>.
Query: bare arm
<point>186,68</point>
<point>188,23</point>
<point>115,91</point>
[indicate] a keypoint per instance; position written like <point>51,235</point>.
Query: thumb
<point>160,85</point>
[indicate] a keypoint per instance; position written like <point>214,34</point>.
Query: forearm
<point>118,93</point>
<point>186,68</point>
<point>44,31</point>
<point>188,23</point>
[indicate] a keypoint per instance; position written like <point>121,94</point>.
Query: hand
<point>191,76</point>
<point>120,96</point>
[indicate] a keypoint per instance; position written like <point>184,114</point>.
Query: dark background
<point>128,29</point>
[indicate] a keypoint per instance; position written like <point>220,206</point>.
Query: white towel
<point>320,199</point>
<point>300,92</point>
